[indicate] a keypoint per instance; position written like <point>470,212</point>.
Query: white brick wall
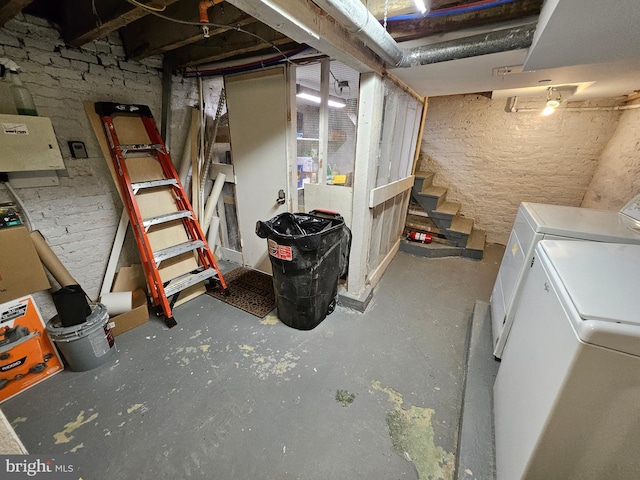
<point>617,177</point>
<point>492,160</point>
<point>79,218</point>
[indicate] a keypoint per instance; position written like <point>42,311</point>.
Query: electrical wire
<point>21,204</point>
<point>147,7</point>
<point>95,12</point>
<point>203,24</point>
<point>243,67</point>
<point>336,85</point>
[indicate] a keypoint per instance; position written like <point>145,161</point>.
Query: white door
<point>258,108</point>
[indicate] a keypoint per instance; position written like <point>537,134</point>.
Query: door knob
<point>281,197</point>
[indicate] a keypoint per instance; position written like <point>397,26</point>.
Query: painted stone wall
<point>617,176</point>
<point>79,217</point>
<point>492,160</point>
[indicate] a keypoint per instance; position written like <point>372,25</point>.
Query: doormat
<point>249,290</point>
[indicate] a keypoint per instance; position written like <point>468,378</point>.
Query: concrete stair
<point>452,229</point>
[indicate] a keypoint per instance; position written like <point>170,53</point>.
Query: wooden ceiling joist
<point>230,44</point>
<point>152,35</point>
<point>405,30</point>
<point>87,21</point>
<point>8,9</point>
<point>327,35</point>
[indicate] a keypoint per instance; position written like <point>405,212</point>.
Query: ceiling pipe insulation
<point>357,19</point>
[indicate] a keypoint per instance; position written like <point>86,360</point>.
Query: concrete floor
<point>225,395</point>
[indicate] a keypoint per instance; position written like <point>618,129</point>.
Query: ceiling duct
<point>355,17</point>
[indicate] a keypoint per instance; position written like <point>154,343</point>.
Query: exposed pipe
<point>484,44</point>
<point>443,12</point>
<point>245,67</point>
<point>579,109</point>
<point>357,19</point>
<point>203,6</point>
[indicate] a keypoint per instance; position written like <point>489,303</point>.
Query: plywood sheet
<point>130,130</point>
<point>144,169</point>
<point>156,201</point>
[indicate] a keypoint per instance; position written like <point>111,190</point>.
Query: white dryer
<point>535,222</point>
<point>567,393</point>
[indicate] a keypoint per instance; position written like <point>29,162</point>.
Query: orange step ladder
<point>174,263</point>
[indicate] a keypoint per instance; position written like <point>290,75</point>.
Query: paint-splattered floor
<point>226,396</point>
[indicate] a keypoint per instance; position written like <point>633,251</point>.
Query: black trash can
<point>309,253</point>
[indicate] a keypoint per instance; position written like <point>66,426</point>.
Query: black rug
<point>249,290</point>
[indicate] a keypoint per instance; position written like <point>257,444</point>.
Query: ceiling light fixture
<point>290,18</point>
<point>313,96</point>
<point>422,8</point>
<point>553,101</point>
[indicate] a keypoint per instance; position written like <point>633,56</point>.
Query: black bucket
<point>72,305</point>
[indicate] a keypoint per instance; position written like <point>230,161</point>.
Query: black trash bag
<point>303,228</point>
<point>308,253</point>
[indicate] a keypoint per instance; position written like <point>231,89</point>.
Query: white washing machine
<point>567,393</point>
<point>535,222</point>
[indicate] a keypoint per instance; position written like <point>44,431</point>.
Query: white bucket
<point>87,345</point>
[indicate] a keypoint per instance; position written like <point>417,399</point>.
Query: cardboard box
<point>27,355</point>
<point>138,315</point>
<point>131,279</point>
<point>21,272</point>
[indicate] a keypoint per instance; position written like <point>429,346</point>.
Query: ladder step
<point>140,147</point>
<point>154,183</point>
<point>185,281</point>
<point>166,218</point>
<point>176,250</point>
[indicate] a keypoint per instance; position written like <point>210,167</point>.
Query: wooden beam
<point>367,145</point>
<point>401,7</point>
<point>9,8</point>
<point>416,156</point>
<point>382,194</point>
<point>313,27</point>
<point>152,35</point>
<point>87,21</point>
<point>229,44</point>
<point>632,97</point>
<point>404,30</point>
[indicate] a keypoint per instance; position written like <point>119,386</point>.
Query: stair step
<point>433,191</point>
<point>461,225</point>
<point>148,222</point>
<point>185,281</point>
<point>448,208</point>
<point>422,180</point>
<point>424,174</point>
<point>153,184</point>
<point>176,250</point>
<point>430,250</point>
<point>477,240</point>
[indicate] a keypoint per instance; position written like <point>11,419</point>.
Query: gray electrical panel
<point>28,144</point>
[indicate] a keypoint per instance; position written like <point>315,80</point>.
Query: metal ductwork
<point>355,17</point>
<point>493,42</point>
